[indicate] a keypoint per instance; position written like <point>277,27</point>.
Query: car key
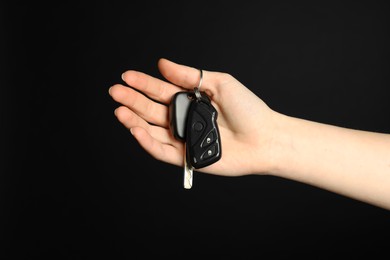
<point>188,171</point>
<point>190,128</point>
<point>178,110</point>
<point>203,141</point>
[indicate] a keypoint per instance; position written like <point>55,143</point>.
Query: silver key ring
<point>197,89</point>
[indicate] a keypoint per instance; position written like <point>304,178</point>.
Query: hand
<point>244,120</point>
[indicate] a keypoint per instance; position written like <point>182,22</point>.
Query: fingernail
<point>131,130</point>
<point>122,76</point>
<point>109,90</point>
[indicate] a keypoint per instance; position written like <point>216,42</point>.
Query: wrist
<point>280,143</point>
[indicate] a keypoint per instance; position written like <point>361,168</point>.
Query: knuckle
<point>224,76</point>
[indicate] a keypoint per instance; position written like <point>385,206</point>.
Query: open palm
<point>244,120</point>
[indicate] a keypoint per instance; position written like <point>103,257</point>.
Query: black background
<point>76,185</point>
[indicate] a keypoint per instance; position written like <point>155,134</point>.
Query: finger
<point>146,108</point>
<point>154,88</point>
<point>163,152</point>
<point>186,76</point>
<point>130,120</point>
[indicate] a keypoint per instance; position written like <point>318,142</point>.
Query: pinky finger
<point>163,152</point>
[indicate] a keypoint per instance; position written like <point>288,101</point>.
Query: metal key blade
<point>188,171</point>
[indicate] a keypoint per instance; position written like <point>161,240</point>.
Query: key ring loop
<point>196,89</point>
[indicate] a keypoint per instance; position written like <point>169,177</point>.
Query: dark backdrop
<point>75,184</point>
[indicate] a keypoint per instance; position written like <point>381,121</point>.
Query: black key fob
<point>202,134</point>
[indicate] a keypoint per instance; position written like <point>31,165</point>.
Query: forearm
<point>349,162</point>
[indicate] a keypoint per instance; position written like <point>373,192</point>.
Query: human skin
<point>255,139</point>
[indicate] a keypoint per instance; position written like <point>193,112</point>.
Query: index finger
<point>154,88</point>
<point>188,77</point>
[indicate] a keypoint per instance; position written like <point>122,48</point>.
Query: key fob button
<point>210,152</point>
<point>198,126</point>
<point>209,139</point>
